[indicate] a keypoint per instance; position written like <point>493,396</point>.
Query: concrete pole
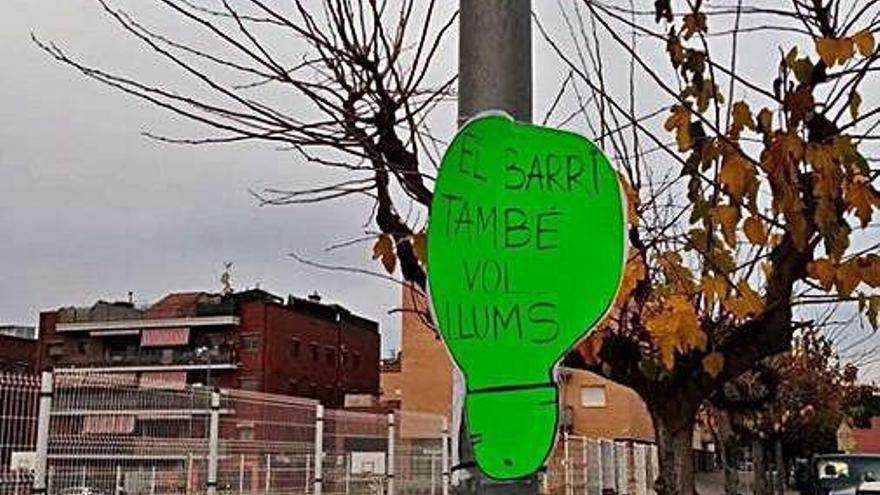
<point>494,73</point>
<point>495,58</point>
<point>213,443</point>
<point>41,461</point>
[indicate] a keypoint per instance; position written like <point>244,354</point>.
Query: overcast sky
<point>90,209</point>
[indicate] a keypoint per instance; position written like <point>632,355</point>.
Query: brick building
<point>19,353</point>
<point>252,340</point>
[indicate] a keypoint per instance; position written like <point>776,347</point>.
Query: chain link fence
<point>103,434</point>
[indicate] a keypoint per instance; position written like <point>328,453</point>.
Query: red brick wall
<point>868,439</point>
<point>326,375</point>
<point>18,355</point>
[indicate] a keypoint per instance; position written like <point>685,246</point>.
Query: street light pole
<point>494,73</point>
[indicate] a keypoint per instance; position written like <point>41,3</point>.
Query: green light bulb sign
<point>526,251</point>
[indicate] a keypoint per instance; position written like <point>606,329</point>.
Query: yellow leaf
<point>742,116</point>
<point>694,23</point>
<point>803,70</point>
<point>420,247</point>
<point>633,272</point>
<point>765,120</point>
<point>873,311</point>
<point>674,327</point>
<point>676,274</point>
<point>680,121</point>
<point>864,41</point>
<point>822,270</point>
<point>870,269</point>
<point>826,48</point>
<point>632,200</point>
<point>713,364</point>
<point>727,217</point>
<point>835,50</point>
<point>847,278</point>
<point>737,175</point>
<point>747,303</point>
<point>756,231</point>
<point>714,288</point>
<point>861,198</point>
<point>791,56</point>
<point>855,101</point>
<point>384,249</point>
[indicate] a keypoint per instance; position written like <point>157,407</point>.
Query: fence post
<point>444,459</point>
<point>189,473</point>
<point>267,484</point>
<point>347,458</point>
<point>117,489</point>
<point>586,467</point>
<point>213,442</point>
<point>433,474</point>
<point>241,473</point>
<point>389,469</point>
<point>42,450</point>
<point>319,450</point>
<point>566,463</point>
<point>308,473</point>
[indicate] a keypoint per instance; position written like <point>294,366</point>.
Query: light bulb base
<point>512,430</point>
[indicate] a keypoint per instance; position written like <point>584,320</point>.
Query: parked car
<point>840,474</point>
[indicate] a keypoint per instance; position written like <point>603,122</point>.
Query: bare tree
<point>361,92</point>
<point>753,212</point>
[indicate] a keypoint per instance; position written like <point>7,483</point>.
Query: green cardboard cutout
<point>525,253</point>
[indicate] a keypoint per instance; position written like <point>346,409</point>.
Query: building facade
<point>18,354</point>
<point>251,340</point>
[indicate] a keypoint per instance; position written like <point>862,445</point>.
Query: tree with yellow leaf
<point>748,172</point>
<point>797,399</point>
<point>757,201</point>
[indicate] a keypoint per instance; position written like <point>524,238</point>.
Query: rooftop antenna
<point>226,278</point>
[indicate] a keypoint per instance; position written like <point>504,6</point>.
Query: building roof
<point>332,313</point>
<point>176,305</point>
<point>20,331</point>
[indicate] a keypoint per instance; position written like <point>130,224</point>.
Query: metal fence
<point>588,466</point>
<point>19,396</point>
<point>99,434</point>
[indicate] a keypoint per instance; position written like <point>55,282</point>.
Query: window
<point>250,342</point>
<point>294,347</point>
<point>331,356</point>
<point>314,346</point>
<point>593,396</point>
<point>249,384</point>
<point>356,360</point>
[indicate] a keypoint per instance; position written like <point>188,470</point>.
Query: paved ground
<point>713,484</point>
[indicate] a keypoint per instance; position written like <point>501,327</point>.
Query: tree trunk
<point>759,461</point>
<point>728,447</point>
<point>674,420</point>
